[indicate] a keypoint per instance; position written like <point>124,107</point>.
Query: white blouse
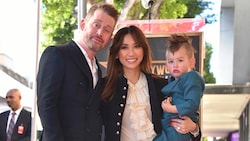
<point>137,118</point>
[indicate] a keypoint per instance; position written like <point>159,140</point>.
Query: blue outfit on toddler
<point>186,93</point>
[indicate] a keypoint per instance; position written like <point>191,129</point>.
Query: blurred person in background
<point>15,124</point>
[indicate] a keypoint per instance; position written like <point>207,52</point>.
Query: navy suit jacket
<point>68,105</point>
<point>24,119</point>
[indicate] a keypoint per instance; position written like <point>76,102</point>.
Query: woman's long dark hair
<point>115,68</point>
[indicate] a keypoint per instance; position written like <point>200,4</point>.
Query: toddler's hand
<point>166,104</point>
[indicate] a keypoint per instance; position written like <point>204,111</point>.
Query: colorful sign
<point>165,26</point>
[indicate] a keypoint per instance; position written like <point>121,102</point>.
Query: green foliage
<point>195,7</point>
<point>118,4</point>
<point>58,21</point>
<point>94,1</point>
<point>198,8</point>
<point>208,76</point>
<point>136,12</point>
<point>204,139</point>
<point>169,9</point>
<point>172,9</point>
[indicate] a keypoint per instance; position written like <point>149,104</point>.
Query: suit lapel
<point>80,60</point>
<point>98,86</point>
<point>99,70</point>
<point>6,116</point>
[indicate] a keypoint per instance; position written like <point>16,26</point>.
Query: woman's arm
<point>186,125</point>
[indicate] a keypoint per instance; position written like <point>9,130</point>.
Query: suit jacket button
<point>121,105</point>
<point>118,123</point>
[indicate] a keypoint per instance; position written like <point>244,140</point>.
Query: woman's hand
<point>184,125</point>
